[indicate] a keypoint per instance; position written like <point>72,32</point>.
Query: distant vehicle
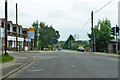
<point>59,48</point>
<point>81,49</point>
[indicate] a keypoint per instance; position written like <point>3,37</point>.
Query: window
<point>2,25</point>
<point>24,32</point>
<point>10,42</point>
<point>19,30</point>
<point>9,27</point>
<point>14,29</point>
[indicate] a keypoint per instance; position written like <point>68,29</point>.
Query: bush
<point>119,52</point>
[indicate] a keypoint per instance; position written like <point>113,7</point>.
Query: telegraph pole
<point>92,39</point>
<point>16,27</point>
<point>6,16</point>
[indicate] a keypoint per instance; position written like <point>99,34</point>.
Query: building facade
<point>13,31</point>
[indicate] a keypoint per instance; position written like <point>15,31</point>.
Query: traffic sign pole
<point>116,40</point>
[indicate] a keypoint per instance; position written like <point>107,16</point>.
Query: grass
<point>6,58</point>
<point>88,51</point>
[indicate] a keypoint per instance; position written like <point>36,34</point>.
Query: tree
<point>102,35</point>
<point>70,42</point>
<point>48,35</point>
<point>62,43</point>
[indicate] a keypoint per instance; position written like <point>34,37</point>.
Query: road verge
<point>104,54</point>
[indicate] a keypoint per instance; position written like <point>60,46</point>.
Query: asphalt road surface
<point>66,64</point>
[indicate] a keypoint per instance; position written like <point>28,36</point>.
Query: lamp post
<point>116,33</point>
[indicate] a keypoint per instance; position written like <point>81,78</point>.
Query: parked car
<point>81,49</point>
<point>59,48</point>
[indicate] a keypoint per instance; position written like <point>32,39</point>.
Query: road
<point>66,64</point>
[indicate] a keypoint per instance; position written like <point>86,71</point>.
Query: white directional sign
<point>2,31</point>
<point>31,34</point>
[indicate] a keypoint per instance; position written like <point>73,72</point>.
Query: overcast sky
<point>66,16</point>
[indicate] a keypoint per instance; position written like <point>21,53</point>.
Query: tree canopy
<point>102,35</point>
<point>48,35</point>
<point>70,42</point>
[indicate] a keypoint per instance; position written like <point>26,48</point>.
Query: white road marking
<point>114,59</point>
<point>73,66</point>
<point>35,70</point>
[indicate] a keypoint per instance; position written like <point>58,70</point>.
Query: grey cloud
<point>67,16</point>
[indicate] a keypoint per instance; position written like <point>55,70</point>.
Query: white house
<point>12,29</point>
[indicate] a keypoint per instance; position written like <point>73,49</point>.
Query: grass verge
<point>6,58</point>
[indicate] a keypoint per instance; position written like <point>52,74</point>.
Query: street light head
<point>5,0</point>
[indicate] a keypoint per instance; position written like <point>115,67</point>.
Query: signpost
<point>116,39</point>
<point>2,37</point>
<point>2,33</point>
<point>31,34</point>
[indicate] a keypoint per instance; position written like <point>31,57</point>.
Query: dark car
<point>81,49</point>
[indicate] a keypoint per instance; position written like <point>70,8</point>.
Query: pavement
<point>11,67</point>
<point>93,53</point>
<point>104,54</point>
<point>61,64</point>
<point>98,53</point>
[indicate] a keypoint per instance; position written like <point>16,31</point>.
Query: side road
<point>18,63</point>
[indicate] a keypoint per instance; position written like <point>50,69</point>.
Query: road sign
<point>31,34</point>
<point>31,29</point>
<point>2,31</point>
